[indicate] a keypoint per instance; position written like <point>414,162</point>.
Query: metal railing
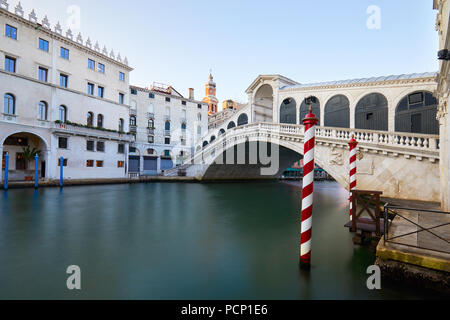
<point>390,212</point>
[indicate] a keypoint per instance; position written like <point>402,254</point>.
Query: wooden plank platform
<point>366,225</point>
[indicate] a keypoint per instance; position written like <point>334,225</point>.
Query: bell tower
<point>210,95</point>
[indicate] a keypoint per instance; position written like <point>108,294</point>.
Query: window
<point>133,121</point>
<point>199,106</point>
<point>11,32</point>
<point>9,104</point>
<point>90,145</point>
<point>151,95</point>
<point>10,64</point>
<point>151,139</point>
<point>120,164</point>
<point>121,123</point>
<point>167,153</point>
<point>120,148</point>
<point>99,163</point>
<point>167,140</point>
<point>90,163</point>
<point>133,91</point>
<point>183,103</point>
<point>151,123</point>
<point>62,114</point>
<point>101,67</point>
<point>101,92</point>
<point>43,110</point>
<point>121,98</point>
<point>90,89</point>
<point>91,64</point>
<point>62,143</point>
<point>100,146</point>
<point>43,74</point>
<point>43,45</point>
<point>90,119</point>
<point>183,126</point>
<point>100,121</point>
<point>199,117</point>
<point>63,80</point>
<point>199,130</point>
<point>167,99</point>
<point>64,53</point>
<point>64,162</point>
<point>121,76</point>
<point>167,126</point>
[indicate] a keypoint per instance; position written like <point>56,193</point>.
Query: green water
<point>180,241</point>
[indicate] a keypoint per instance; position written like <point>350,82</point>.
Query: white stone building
<point>167,127</point>
<point>62,95</point>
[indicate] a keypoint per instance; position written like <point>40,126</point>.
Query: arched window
<point>288,111</point>
<point>199,117</point>
<point>183,126</point>
<point>167,126</point>
<point>221,132</point>
<point>43,110</point>
<point>62,113</point>
<point>132,121</point>
<point>90,119</point>
<point>371,112</point>
<point>337,112</point>
<point>121,123</point>
<point>9,104</point>
<point>151,151</point>
<point>416,113</point>
<point>100,121</point>
<point>231,125</point>
<point>242,120</point>
<point>205,143</point>
<point>304,110</point>
<point>212,138</point>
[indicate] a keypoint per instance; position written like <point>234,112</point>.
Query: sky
<point>177,42</point>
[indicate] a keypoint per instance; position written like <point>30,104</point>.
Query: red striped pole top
<point>352,143</point>
<point>307,190</point>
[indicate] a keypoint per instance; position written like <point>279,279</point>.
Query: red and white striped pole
<point>307,190</point>
<point>352,143</point>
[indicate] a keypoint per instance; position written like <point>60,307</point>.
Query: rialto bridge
<point>393,119</point>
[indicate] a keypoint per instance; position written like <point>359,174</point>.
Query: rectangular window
<point>62,143</point>
<point>120,148</point>
<point>133,91</point>
<point>43,45</point>
<point>100,146</point>
<point>167,140</point>
<point>199,106</point>
<point>101,68</point>
<point>11,32</point>
<point>120,164</point>
<point>63,80</point>
<point>10,64</point>
<point>121,98</point>
<point>90,163</point>
<point>43,74</point>
<point>167,99</point>
<point>64,162</point>
<point>90,89</point>
<point>64,53</point>
<point>132,149</point>
<point>99,163</point>
<point>416,98</point>
<point>151,95</point>
<point>90,145</point>
<point>101,92</point>
<point>151,139</point>
<point>183,103</point>
<point>121,76</point>
<point>91,64</point>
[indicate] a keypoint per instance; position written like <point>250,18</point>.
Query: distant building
<point>210,95</point>
<point>229,108</point>
<point>233,105</point>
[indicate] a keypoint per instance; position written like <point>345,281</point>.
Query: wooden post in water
<point>352,143</point>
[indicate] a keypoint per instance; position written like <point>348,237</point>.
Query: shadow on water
<point>180,241</point>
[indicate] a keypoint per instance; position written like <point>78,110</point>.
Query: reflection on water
<point>180,241</point>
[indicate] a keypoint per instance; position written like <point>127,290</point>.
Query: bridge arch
<point>242,120</point>
<point>288,111</point>
<point>304,110</point>
<point>337,112</point>
<point>263,104</point>
<point>416,113</point>
<point>372,112</point>
<point>231,125</point>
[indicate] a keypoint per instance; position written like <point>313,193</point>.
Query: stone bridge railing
<point>394,143</point>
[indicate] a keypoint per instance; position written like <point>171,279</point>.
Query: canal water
<point>180,241</point>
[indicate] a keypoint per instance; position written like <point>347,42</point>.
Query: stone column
<point>158,165</point>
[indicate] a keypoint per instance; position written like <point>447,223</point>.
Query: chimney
<point>191,93</point>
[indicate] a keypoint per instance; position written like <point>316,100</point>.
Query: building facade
<point>167,127</point>
<point>63,97</point>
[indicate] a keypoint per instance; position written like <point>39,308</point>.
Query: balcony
<point>84,131</point>
<point>133,129</point>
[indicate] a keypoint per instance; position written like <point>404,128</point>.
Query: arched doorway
<point>304,110</point>
<point>242,120</point>
<point>371,112</point>
<point>337,112</point>
<point>22,148</point>
<point>416,113</point>
<point>263,104</point>
<point>288,111</point>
